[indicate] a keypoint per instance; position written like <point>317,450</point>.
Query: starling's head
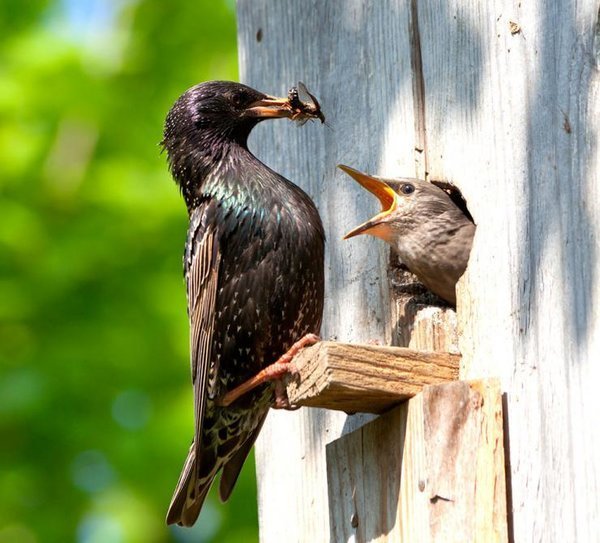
<point>214,117</point>
<point>218,111</point>
<point>403,208</point>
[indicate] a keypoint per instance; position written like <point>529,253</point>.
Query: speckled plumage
<point>254,271</point>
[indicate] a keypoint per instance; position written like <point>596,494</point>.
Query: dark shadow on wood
<point>364,476</point>
<point>418,88</point>
<point>509,504</point>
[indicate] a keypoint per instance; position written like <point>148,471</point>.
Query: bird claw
<point>283,366</point>
<point>281,400</point>
<point>305,341</point>
<point>286,405</point>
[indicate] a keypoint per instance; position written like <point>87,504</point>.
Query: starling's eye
<point>407,188</point>
<point>239,97</point>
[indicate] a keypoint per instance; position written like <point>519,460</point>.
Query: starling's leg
<point>276,370</point>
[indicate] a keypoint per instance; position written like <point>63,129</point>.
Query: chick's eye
<point>407,188</point>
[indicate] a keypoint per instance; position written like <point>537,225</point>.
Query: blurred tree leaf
<point>95,399</point>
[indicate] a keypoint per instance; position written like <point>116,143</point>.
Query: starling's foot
<point>281,398</point>
<point>276,370</point>
<point>374,342</point>
<point>306,341</point>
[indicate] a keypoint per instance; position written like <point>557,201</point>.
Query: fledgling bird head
<point>413,203</point>
<point>429,231</point>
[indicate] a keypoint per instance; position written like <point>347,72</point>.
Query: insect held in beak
<point>303,103</point>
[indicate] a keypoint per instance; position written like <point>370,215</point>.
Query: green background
<point>95,395</point>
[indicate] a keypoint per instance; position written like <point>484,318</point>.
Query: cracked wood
<point>365,378</point>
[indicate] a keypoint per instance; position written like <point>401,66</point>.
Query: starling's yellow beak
<point>386,195</point>
<point>269,107</point>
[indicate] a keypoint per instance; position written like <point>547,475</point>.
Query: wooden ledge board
<point>430,470</point>
<point>365,378</point>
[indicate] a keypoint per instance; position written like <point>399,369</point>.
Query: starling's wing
<point>201,272</point>
<point>201,263</point>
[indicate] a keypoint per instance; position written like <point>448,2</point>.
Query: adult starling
<point>253,266</point>
<point>428,230</point>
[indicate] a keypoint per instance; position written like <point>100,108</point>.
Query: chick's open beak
<point>269,107</point>
<point>385,194</point>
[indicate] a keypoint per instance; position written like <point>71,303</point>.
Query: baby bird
<point>430,233</point>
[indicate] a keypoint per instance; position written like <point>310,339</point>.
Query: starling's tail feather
<point>231,470</point>
<point>189,494</point>
<point>195,480</point>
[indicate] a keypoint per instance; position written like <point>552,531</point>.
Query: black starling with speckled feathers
<point>254,271</point>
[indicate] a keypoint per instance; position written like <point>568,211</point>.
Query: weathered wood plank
<point>418,324</point>
<point>365,378</point>
<point>364,480</point>
<point>510,119</point>
<point>316,43</point>
<point>430,470</point>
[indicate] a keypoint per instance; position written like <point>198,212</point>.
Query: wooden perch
<point>365,378</point>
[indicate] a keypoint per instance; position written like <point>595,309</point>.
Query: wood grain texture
<point>364,476</point>
<point>365,378</point>
<point>430,470</point>
<point>315,42</point>
<point>511,119</point>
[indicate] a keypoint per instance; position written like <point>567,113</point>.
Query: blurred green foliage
<point>95,395</point>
